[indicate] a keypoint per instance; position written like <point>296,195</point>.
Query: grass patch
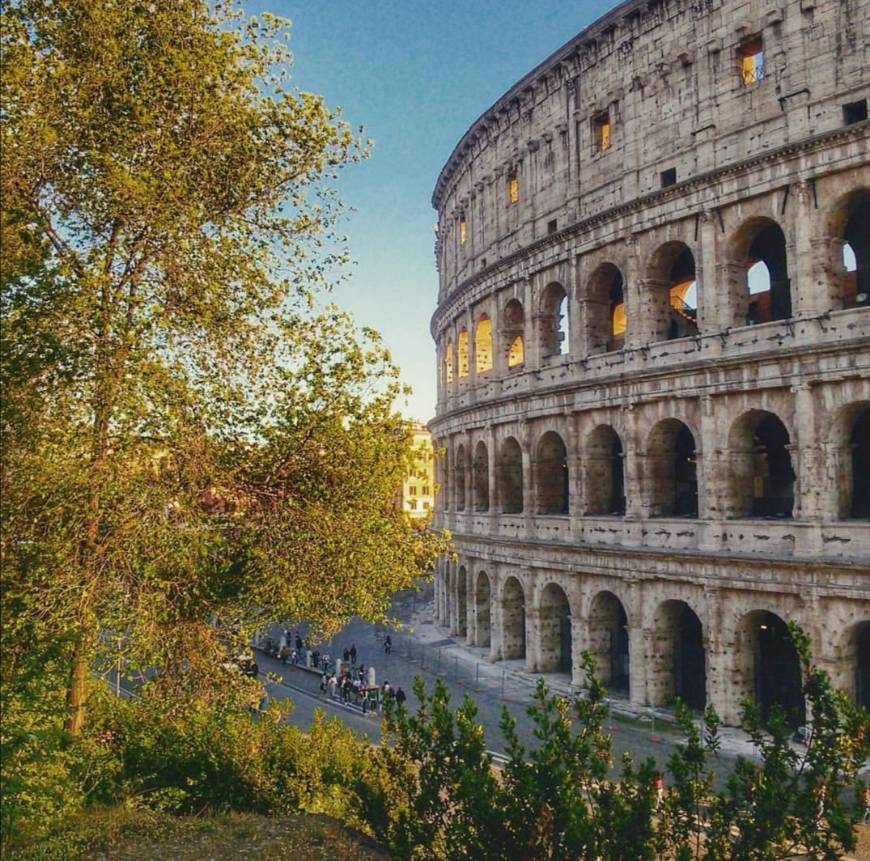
<point>121,834</point>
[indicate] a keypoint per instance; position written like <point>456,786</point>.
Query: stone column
<point>637,653</point>
<point>533,636</point>
<point>716,655</point>
<point>709,490</point>
<point>709,308</point>
<point>528,479</point>
<point>574,463</point>
<point>632,296</point>
<point>496,616</point>
<point>494,503</point>
<point>806,457</point>
<point>632,449</point>
<point>579,642</point>
<point>809,294</point>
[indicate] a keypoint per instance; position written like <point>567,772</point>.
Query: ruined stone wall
<point>784,154</point>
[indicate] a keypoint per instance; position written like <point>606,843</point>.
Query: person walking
<point>353,654</point>
<point>388,645</point>
<point>346,656</point>
<point>400,696</point>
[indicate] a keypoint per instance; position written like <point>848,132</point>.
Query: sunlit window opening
<point>483,345</point>
<point>462,353</point>
<point>618,318</point>
<point>683,297</point>
<point>513,188</point>
<point>751,56</point>
<point>601,125</point>
<point>516,354</point>
<point>463,229</point>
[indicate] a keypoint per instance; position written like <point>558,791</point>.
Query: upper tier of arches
<point>679,282</point>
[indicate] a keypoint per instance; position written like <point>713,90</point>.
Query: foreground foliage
<point>433,794</point>
<point>193,441</point>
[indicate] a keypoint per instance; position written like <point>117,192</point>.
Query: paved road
<point>409,659</point>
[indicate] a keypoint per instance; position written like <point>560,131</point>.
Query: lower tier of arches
<point>657,638</point>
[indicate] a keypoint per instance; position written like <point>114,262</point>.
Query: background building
<point>653,355</point>
<point>418,488</point>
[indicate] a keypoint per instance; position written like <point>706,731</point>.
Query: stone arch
<point>760,468</point>
<point>462,363</point>
<point>554,321</point>
<point>678,662</point>
<point>509,477</point>
<point>483,610</point>
<point>480,477</point>
<point>759,257</point>
<point>608,641</point>
<point>850,236</point>
<point>462,601</point>
<point>554,630</point>
<point>606,319</point>
<point>672,279</point>
<point>766,666</point>
<point>856,656</point>
<point>513,619</point>
<point>459,469</point>
<point>603,465</point>
<point>672,470</point>
<point>513,330</point>
<point>551,473</point>
<point>483,344</point>
<point>851,447</point>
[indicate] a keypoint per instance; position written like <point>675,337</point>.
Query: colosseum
<point>653,356</point>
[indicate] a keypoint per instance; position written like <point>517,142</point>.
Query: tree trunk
<point>77,690</point>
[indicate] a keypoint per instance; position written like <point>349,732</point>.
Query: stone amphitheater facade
<point>653,355</point>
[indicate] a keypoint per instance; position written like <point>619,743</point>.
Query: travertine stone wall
<point>781,153</point>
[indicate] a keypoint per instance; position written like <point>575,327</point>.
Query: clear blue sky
<point>416,75</point>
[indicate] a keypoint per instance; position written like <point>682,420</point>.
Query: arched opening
<point>482,602</point>
<point>683,297</point>
<point>608,641</point>
<point>513,329</point>
<point>480,475</point>
<point>555,630</point>
<point>762,477</point>
<point>554,321</point>
<point>674,311</point>
<point>858,662</point>
<point>552,475</point>
<point>459,477</point>
<point>760,254</point>
<point>462,353</point>
<point>679,663</point>
<point>513,620</point>
<point>605,310</point>
<point>483,345</point>
<point>448,364</point>
<point>856,252</point>
<point>672,470</point>
<point>462,602</point>
<point>768,667</point>
<point>859,479</point>
<point>605,483</point>
<point>509,477</point>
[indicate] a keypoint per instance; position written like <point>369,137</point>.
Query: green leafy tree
<point>190,433</point>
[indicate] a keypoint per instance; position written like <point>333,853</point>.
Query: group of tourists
<point>346,681</point>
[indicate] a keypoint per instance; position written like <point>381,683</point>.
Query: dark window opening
<point>855,112</point>
<point>669,177</point>
<point>685,475</point>
<point>773,476</point>
<point>777,672</point>
<point>552,226</point>
<point>860,444</point>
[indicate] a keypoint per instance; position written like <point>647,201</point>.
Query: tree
<point>189,434</point>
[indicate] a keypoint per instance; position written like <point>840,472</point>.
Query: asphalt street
<point>484,683</point>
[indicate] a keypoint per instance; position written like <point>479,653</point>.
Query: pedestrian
<point>298,643</point>
<point>324,681</point>
<point>387,689</point>
<point>660,790</point>
<point>867,805</point>
<point>346,655</point>
<point>353,653</point>
<point>400,696</point>
<point>332,684</point>
<point>388,645</point>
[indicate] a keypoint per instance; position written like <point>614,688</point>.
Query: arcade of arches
<point>650,647</point>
